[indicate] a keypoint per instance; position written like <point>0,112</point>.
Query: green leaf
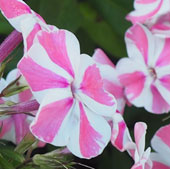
<point>5,27</point>
<point>101,32</point>
<point>9,154</point>
<point>4,164</point>
<point>64,14</point>
<point>113,13</point>
<point>25,144</point>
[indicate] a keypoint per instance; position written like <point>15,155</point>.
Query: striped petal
<point>139,134</point>
<point>100,57</point>
<point>148,10</point>
<point>91,135</point>
<point>55,118</point>
<point>110,80</point>
<point>62,48</point>
<point>141,45</point>
<point>161,144</point>
<point>159,161</point>
<point>15,11</point>
<point>91,90</point>
<point>120,134</point>
<point>43,75</point>
<point>162,26</point>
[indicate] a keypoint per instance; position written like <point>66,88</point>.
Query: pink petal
<point>25,95</point>
<point>134,84</point>
<point>158,165</point>
<point>92,86</point>
<point>50,120</point>
<point>164,57</point>
<point>40,78</point>
<point>163,135</point>
<point>137,35</point>
<point>21,126</point>
<point>139,133</point>
<point>91,136</point>
<point>92,93</point>
<point>120,134</point>
<point>145,11</point>
<point>31,36</point>
<point>100,57</point>
<point>159,103</point>
<point>162,26</point>
<point>14,8</point>
<point>165,81</point>
<point>55,44</point>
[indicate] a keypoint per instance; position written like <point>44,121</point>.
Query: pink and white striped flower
<point>146,73</point>
<point>110,76</point>
<point>141,157</point>
<point>148,11</point>
<point>69,87</point>
<point>15,127</point>
<point>161,144</point>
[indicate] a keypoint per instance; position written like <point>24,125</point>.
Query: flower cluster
<point>82,98</point>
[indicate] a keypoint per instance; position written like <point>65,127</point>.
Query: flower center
<point>152,72</point>
<point>73,88</point>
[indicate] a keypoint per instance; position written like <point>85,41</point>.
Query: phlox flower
<point>145,74</point>
<point>148,11</point>
<point>110,78</point>
<point>141,157</point>
<point>14,127</point>
<point>68,85</point>
<point>161,144</point>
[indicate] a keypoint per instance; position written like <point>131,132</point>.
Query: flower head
<point>145,74</point>
<point>69,88</point>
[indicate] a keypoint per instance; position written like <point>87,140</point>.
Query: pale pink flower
<point>69,88</point>
<point>16,126</point>
<point>110,78</point>
<point>161,144</point>
<point>146,73</point>
<point>148,11</point>
<point>137,151</point>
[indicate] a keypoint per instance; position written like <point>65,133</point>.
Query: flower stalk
<point>9,44</point>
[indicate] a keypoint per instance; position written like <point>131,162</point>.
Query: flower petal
<point>55,118</point>
<point>100,57</point>
<point>15,11</point>
<point>139,133</point>
<point>120,133</point>
<point>148,10</point>
<point>161,143</point>
<point>41,79</point>
<point>112,85</point>
<point>92,93</point>
<point>62,48</point>
<point>91,136</point>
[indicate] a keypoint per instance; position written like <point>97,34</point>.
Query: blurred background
<point>97,24</point>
